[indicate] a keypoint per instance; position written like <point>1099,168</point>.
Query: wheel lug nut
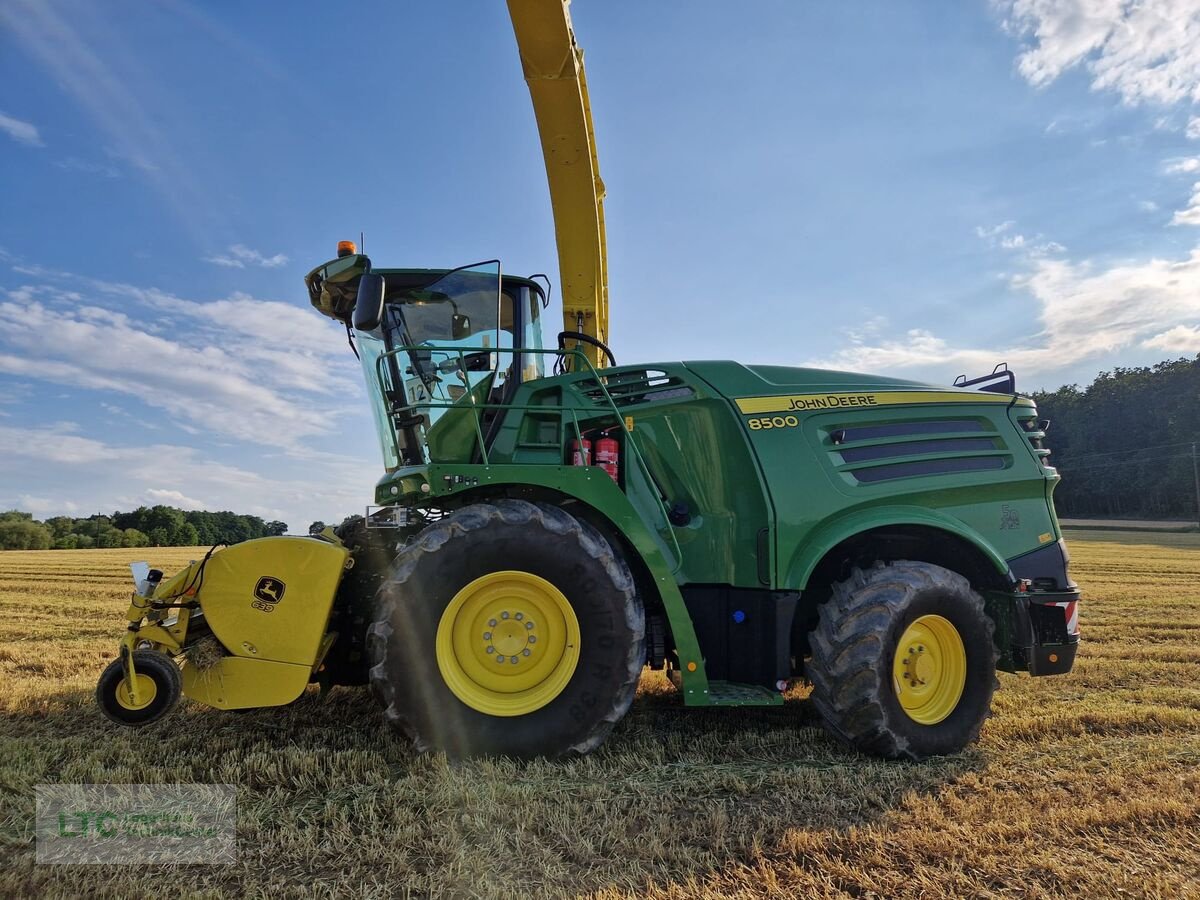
<point>487,635</point>
<point>532,639</point>
<point>515,660</point>
<point>525,652</point>
<point>492,623</point>
<point>504,615</point>
<point>519,616</point>
<point>528,626</point>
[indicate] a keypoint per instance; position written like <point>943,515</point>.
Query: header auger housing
<point>550,523</point>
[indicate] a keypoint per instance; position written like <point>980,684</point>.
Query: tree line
<point>146,526</point>
<point>1124,443</point>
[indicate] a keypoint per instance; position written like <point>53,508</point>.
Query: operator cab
<point>432,341</point>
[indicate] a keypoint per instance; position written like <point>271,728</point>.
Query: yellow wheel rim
<point>147,690</point>
<point>508,643</point>
<point>930,669</point>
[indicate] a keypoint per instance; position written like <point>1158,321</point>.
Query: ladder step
<point>727,693</point>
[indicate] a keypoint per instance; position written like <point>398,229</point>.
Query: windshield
<point>453,336</point>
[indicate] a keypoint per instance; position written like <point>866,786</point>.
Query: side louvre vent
<point>630,388</point>
<point>873,453</point>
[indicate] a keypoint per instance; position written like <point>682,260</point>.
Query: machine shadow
<point>673,793</point>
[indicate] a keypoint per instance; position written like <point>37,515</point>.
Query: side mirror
<point>368,308</point>
<point>460,326</point>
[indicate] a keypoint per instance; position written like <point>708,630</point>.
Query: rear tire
<point>879,631</point>
<point>434,613</point>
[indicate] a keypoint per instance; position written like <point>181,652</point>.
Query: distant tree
<point>316,527</point>
<point>60,526</point>
<point>1122,444</point>
<point>185,535</point>
<point>276,528</point>
<point>24,534</point>
<point>166,517</point>
<point>206,527</point>
<point>69,542</point>
<point>134,538</point>
<point>159,537</point>
<point>106,535</point>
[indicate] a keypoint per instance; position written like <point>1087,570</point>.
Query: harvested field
<point>1085,785</point>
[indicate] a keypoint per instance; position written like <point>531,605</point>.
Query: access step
<point>727,693</point>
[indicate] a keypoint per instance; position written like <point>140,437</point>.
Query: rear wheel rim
<point>508,643</point>
<point>929,670</point>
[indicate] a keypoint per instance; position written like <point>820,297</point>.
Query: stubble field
<point>1085,785</point>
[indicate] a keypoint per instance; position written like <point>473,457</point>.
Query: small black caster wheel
<point>159,685</point>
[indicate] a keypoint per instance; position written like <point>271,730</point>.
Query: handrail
<point>590,373</point>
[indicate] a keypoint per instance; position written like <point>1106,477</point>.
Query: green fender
<point>591,486</point>
<point>833,531</point>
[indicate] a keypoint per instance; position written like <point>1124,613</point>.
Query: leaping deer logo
<point>269,590</point>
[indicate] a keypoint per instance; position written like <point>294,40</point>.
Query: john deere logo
<point>269,590</point>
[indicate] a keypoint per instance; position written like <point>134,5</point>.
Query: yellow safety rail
<point>553,66</point>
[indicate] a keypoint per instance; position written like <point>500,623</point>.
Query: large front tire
<point>903,663</point>
<point>507,628</point>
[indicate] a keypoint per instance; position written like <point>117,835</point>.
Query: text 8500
<point>763,423</point>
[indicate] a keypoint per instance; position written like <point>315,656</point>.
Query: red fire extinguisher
<point>608,454</point>
<point>581,452</point>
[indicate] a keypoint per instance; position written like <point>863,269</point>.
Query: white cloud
<point>1147,51</point>
<point>1147,206</point>
<point>1086,312</point>
<point>44,506</point>
<point>73,164</point>
<point>986,232</point>
<point>76,472</point>
<point>241,256</point>
<point>264,372</point>
<point>1193,128</point>
<point>156,496</point>
<point>1180,339</point>
<point>1190,215</point>
<point>1003,237</point>
<point>21,132</point>
<point>1183,165</point>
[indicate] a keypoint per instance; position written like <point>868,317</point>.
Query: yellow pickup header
<point>865,400</point>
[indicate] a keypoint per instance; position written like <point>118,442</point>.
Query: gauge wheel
<point>159,685</point>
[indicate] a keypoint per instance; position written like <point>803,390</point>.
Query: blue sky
<point>913,188</point>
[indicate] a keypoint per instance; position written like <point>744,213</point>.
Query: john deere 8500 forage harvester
<point>549,522</point>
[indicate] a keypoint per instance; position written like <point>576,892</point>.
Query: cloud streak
<point>22,132</point>
<point>240,256</point>
<point>76,472</point>
<point>1086,312</point>
<point>258,371</point>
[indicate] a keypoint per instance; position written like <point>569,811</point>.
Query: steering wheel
<point>564,336</point>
